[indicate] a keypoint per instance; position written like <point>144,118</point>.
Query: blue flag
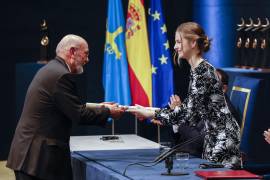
<point>162,71</point>
<point>115,67</point>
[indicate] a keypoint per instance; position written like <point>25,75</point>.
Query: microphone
<point>164,155</point>
<point>168,153</point>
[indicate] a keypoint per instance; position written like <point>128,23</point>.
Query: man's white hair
<point>69,41</point>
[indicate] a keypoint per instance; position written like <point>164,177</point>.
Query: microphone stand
<point>169,166</point>
<point>168,156</point>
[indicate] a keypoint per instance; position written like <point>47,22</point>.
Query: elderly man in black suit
<point>40,147</point>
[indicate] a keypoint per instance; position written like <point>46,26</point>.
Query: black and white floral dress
<point>206,101</point>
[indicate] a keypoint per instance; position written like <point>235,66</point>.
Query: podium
<point>93,158</point>
<point>95,143</point>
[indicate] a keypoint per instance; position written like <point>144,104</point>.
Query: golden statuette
<point>44,41</point>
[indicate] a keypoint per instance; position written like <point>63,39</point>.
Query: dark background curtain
<point>20,40</point>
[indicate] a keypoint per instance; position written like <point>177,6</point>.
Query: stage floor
<point>6,173</point>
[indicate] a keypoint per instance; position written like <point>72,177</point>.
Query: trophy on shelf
<point>44,43</point>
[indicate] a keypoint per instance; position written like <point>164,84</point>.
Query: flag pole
<point>136,125</point>
<point>158,129</point>
<point>113,127</point>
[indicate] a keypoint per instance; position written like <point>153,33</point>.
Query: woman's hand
<point>142,112</point>
<point>174,101</point>
<point>156,122</point>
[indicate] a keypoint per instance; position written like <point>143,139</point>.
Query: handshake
<point>116,110</point>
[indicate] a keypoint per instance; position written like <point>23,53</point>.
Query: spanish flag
<point>138,54</point>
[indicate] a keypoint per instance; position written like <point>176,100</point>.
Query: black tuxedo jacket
<point>40,146</point>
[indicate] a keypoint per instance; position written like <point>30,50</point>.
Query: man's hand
<point>267,135</point>
<point>115,111</point>
<point>174,101</point>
